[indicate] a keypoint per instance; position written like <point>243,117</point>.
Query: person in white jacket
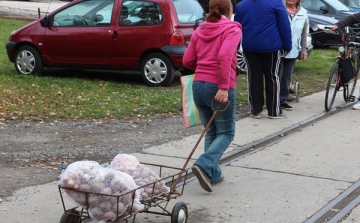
<point>299,23</point>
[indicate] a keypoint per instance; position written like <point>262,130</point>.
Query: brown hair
<point>217,8</point>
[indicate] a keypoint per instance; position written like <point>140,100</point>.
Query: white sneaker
<point>257,116</point>
<point>357,105</point>
<point>282,115</point>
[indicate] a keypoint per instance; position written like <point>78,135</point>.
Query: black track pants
<point>262,65</point>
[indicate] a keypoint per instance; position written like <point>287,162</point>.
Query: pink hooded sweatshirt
<point>212,52</point>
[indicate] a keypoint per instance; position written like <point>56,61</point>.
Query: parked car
<point>333,9</point>
<point>353,4</point>
<point>322,38</point>
<point>330,8</point>
<point>148,36</point>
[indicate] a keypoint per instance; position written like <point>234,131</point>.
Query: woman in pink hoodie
<point>212,54</point>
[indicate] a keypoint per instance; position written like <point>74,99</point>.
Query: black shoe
<point>202,177</point>
<point>286,107</point>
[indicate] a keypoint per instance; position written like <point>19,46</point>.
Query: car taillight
<point>177,38</point>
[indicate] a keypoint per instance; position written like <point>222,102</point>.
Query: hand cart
<point>179,213</point>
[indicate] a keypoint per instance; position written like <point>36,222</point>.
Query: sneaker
<point>282,115</point>
<point>357,105</point>
<point>219,181</point>
<point>257,116</point>
<point>202,177</point>
<point>286,107</point>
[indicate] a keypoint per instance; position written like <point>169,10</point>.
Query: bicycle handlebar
<point>345,31</point>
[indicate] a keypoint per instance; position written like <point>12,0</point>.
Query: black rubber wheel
<point>71,218</point>
<point>27,60</point>
<point>179,213</point>
<point>157,70</point>
<point>297,91</point>
<point>241,62</point>
<point>332,86</point>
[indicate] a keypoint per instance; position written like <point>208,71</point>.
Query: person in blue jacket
<point>266,36</point>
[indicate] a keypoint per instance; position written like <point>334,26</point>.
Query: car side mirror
<point>198,21</point>
<point>99,18</point>
<point>324,9</point>
<point>44,21</point>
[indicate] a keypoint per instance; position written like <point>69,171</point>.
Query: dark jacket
<point>348,21</point>
<point>266,26</point>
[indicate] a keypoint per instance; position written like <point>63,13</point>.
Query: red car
<point>145,35</point>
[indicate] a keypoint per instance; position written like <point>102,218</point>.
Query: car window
<point>316,4</point>
<point>188,11</point>
<point>312,4</point>
<point>140,13</point>
<point>339,6</point>
<point>354,3</point>
<point>86,13</point>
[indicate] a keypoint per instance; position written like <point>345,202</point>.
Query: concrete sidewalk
<point>286,182</point>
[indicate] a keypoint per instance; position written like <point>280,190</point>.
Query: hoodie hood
<point>208,31</point>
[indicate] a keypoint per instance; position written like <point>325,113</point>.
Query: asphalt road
<point>28,10</point>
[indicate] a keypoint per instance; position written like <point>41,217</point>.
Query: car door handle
<point>113,35</point>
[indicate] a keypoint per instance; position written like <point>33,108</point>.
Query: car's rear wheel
<point>157,70</point>
<point>241,62</point>
<point>27,60</point>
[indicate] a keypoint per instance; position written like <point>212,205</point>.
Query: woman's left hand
<point>304,56</point>
<point>222,96</point>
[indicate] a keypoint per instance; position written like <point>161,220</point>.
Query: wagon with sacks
<point>120,191</point>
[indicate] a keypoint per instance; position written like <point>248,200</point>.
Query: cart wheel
<point>297,91</point>
<point>179,213</point>
<point>70,218</point>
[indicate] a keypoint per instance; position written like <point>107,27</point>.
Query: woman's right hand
<point>334,27</point>
<point>222,96</point>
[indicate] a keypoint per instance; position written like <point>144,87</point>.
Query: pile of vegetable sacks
<point>103,187</point>
<point>89,184</point>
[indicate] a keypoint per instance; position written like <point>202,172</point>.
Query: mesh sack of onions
<point>102,187</point>
<point>141,174</point>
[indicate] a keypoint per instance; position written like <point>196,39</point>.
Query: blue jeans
<point>220,132</point>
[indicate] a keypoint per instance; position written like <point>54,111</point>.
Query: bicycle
<point>347,62</point>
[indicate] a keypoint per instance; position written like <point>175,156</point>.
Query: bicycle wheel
<point>332,85</point>
<point>349,96</point>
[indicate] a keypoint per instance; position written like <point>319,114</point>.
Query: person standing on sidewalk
<point>299,29</point>
<point>267,34</point>
<point>212,54</point>
<point>348,21</point>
